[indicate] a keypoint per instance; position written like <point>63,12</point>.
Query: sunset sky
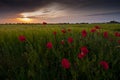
<point>59,11</point>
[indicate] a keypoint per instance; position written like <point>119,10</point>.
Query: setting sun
<point>25,19</point>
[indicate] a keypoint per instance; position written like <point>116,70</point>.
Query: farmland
<point>60,52</point>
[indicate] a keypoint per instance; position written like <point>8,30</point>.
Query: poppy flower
<point>63,31</point>
<point>70,40</point>
<point>84,33</point>
<point>105,34</point>
<point>93,30</point>
<point>97,27</point>
<point>104,64</point>
<point>62,42</point>
<point>54,32</point>
<point>44,23</point>
<point>81,55</point>
<point>49,45</point>
<point>117,34</point>
<point>65,63</point>
<point>84,50</point>
<point>22,38</point>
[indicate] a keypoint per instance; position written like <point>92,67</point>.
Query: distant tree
<point>44,23</point>
<point>113,22</point>
<point>81,23</point>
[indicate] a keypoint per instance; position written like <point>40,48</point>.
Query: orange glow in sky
<point>25,19</point>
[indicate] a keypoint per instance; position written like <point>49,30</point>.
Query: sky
<point>59,11</point>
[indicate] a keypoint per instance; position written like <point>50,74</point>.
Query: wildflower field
<point>60,52</point>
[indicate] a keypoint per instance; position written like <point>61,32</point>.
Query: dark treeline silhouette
<point>114,22</point>
<point>110,22</point>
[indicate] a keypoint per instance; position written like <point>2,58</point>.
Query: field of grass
<point>60,52</point>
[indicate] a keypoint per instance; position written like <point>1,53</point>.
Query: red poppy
<point>84,33</point>
<point>65,63</point>
<point>63,31</point>
<point>84,50</point>
<point>54,32</point>
<point>119,35</point>
<point>44,23</point>
<point>62,42</point>
<point>22,38</point>
<point>116,34</point>
<point>104,64</point>
<point>105,34</point>
<point>49,45</point>
<point>93,30</point>
<point>97,27</point>
<point>81,55</point>
<point>70,40</point>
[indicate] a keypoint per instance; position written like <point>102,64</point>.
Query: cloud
<point>51,11</point>
<point>32,5</point>
<point>106,13</point>
<point>57,8</point>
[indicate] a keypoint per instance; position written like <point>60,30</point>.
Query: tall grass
<point>32,60</point>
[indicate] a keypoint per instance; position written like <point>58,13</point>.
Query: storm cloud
<point>74,7</point>
<point>31,5</point>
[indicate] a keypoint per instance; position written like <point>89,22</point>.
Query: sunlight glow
<point>25,19</point>
<point>51,11</point>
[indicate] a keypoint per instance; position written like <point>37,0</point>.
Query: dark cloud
<point>29,5</point>
<point>107,13</point>
<point>12,8</point>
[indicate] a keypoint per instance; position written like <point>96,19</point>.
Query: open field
<point>60,52</point>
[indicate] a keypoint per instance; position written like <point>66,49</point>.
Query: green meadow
<point>31,58</point>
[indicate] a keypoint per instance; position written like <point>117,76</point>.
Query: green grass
<point>31,60</point>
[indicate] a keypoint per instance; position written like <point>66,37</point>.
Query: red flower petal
<point>62,42</point>
<point>81,55</point>
<point>104,64</point>
<point>49,45</point>
<point>65,63</point>
<point>84,33</point>
<point>63,31</point>
<point>117,34</point>
<point>105,34</point>
<point>97,27</point>
<point>22,38</point>
<point>70,40</point>
<point>54,32</point>
<point>93,30</point>
<point>84,49</point>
